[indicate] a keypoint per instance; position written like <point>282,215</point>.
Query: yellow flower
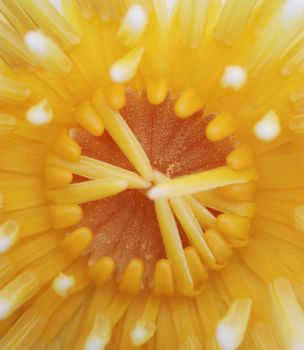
<point>151,175</point>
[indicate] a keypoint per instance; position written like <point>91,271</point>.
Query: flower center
<point>147,188</point>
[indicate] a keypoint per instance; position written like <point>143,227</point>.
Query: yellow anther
<point>240,192</point>
<point>220,127</point>
<point>231,330</point>
<point>157,90</point>
<point>163,278</point>
<point>188,103</point>
<point>66,147</point>
<point>218,246</point>
<point>89,119</point>
<point>125,68</point>
<point>9,235</point>
<point>115,95</point>
<point>64,215</point>
<point>241,158</point>
<point>197,269</point>
<point>234,228</point>
<point>62,284</point>
<point>101,271</point>
<point>299,218</point>
<point>56,177</point>
<point>17,292</point>
<point>132,277</point>
<point>77,241</point>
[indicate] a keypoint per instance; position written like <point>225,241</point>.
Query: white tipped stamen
<point>100,334</point>
<point>231,330</point>
<point>142,332</point>
<point>125,68</point>
<point>9,234</point>
<point>95,343</point>
<point>133,25</point>
<point>268,128</point>
<point>47,52</point>
<point>40,114</point>
<point>5,308</point>
<point>234,77</point>
<point>62,284</point>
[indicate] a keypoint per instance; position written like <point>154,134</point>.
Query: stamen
<point>133,25</point>
<point>56,177</point>
<point>118,307</point>
<point>268,128</point>
<point>12,91</point>
<point>102,270</point>
<point>203,215</point>
<point>123,136</point>
<point>88,118</point>
<point>115,95</point>
<point>62,284</point>
<point>40,114</point>
<point>192,228</point>
<point>299,218</point>
<point>235,229</point>
<point>197,269</point>
<point>173,246</point>
<point>163,278</point>
<point>233,19</point>
<point>132,278</point>
<point>77,241</point>
<point>241,158</point>
<point>220,249</point>
<point>47,52</point>
<point>48,18</point>
<point>87,191</point>
<point>63,216</point>
<point>100,334</point>
<point>193,18</point>
<point>212,199</point>
<point>222,126</point>
<point>125,68</point>
<point>157,90</point>
<point>231,329</point>
<point>17,292</point>
<point>287,312</point>
<point>188,104</point>
<point>9,234</point>
<point>199,182</point>
<point>234,77</point>
<point>7,122</point>
<point>65,146</point>
<point>96,169</point>
<point>145,327</point>
<point>296,124</point>
<point>242,192</point>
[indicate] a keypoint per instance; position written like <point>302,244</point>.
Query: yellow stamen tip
<point>132,277</point>
<point>241,158</point>
<point>218,246</point>
<point>102,270</point>
<point>163,278</point>
<point>64,215</point>
<point>56,177</point>
<point>239,192</point>
<point>157,91</point>
<point>115,95</point>
<point>76,242</point>
<point>89,119</point>
<point>66,147</point>
<point>188,103</point>
<point>222,126</point>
